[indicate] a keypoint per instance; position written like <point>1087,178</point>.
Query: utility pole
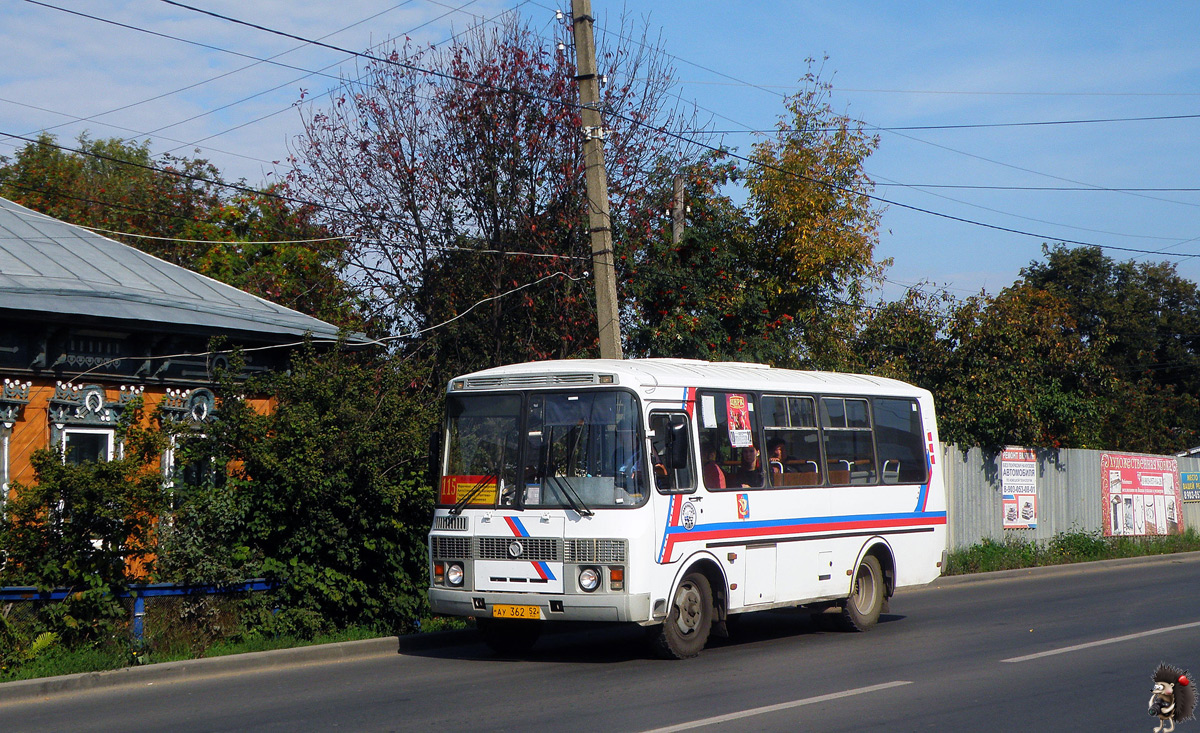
<point>597,180</point>
<point>677,210</point>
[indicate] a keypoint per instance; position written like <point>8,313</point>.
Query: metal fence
<point>160,610</point>
<point>1068,490</point>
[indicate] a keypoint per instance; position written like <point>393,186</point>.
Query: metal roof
<point>48,266</point>
<point>689,373</point>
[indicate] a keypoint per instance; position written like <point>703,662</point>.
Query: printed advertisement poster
<point>1191,486</point>
<point>1018,485</point>
<point>738,409</point>
<point>1142,494</point>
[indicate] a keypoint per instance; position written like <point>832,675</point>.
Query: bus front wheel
<point>688,623</point>
<point>865,603</point>
<point>509,637</point>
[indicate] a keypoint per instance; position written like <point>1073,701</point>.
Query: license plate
<point>503,610</point>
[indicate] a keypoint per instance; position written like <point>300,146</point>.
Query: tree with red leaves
<point>457,171</point>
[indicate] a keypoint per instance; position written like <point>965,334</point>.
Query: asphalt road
<point>1062,649</point>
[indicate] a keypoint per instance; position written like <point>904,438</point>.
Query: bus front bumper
<point>633,607</point>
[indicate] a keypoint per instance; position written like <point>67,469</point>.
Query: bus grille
<point>534,548</point>
<point>457,548</point>
<point>453,524</point>
<point>595,550</point>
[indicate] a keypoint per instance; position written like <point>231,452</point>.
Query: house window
<point>83,445</point>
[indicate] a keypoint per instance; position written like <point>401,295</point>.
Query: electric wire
<point>660,130</point>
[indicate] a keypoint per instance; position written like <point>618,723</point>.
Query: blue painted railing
<point>139,593</point>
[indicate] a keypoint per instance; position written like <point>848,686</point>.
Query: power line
<point>896,130</point>
<point>660,130</point>
<point>137,209</point>
<point>981,125</point>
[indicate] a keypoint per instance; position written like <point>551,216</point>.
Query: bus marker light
<point>439,573</point>
<point>616,578</point>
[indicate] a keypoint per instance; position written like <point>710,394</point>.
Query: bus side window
<point>793,443</point>
<point>899,441</point>
<point>671,455</point>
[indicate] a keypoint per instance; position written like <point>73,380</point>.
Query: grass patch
<point>1064,548</point>
<point>60,661</point>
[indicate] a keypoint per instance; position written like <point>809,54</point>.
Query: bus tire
<point>685,632</point>
<point>509,637</point>
<point>865,603</point>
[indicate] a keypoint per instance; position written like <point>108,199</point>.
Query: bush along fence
<point>1037,494</point>
<point>174,611</point>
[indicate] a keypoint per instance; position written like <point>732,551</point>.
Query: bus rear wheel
<point>688,623</point>
<point>509,637</point>
<point>865,603</point>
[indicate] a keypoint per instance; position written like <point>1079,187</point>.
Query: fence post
<point>139,612</point>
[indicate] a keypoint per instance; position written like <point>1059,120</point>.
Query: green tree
<point>1148,316</point>
<point>780,280</point>
<point>1144,320</point>
<point>695,298</point>
<point>815,228</point>
<point>88,527</point>
<point>329,493</point>
<point>1008,369</point>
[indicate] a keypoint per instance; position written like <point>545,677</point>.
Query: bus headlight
<point>454,574</point>
<point>589,579</point>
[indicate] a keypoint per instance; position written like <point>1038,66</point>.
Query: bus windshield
<point>544,450</point>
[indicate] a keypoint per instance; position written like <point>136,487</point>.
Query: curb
<point>1050,571</point>
<point>193,669</point>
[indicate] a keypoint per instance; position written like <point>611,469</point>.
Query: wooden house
<point>88,324</point>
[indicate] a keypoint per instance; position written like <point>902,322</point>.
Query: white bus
<point>676,494</point>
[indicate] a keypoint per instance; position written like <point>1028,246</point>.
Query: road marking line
<point>775,708</point>
<point>1102,642</point>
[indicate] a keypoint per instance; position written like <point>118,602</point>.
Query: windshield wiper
<point>475,491</point>
<point>564,485</point>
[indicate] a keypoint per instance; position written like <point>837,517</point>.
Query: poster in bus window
<point>1018,486</point>
<point>738,410</point>
<point>1140,494</point>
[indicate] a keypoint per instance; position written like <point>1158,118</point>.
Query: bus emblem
<point>743,501</point>
<point>688,515</point>
<point>515,549</point>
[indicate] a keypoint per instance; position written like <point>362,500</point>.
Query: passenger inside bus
<point>749,471</point>
<point>777,458</point>
<point>714,476</point>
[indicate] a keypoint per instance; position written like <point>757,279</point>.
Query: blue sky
<point>893,64</point>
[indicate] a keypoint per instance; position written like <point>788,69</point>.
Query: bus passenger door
<point>674,476</point>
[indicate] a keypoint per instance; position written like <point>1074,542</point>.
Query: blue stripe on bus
<point>794,522</point>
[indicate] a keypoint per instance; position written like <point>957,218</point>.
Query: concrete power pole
<point>677,210</point>
<point>597,180</point>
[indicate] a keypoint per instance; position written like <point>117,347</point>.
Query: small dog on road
<point>1173,698</point>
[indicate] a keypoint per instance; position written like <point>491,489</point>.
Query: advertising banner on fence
<point>1191,486</point>
<point>1141,494</point>
<point>1018,484</point>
